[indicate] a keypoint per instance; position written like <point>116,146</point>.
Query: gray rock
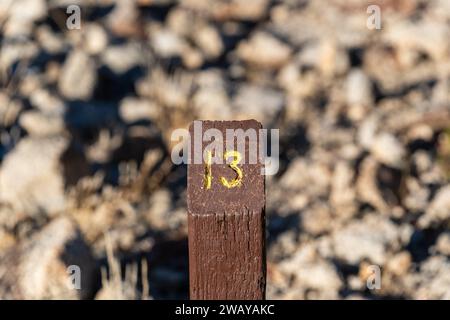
<point>359,94</point>
<point>133,109</point>
<point>121,58</point>
<point>124,19</point>
<point>317,219</point>
<point>366,185</point>
<point>34,185</point>
<point>306,177</point>
<point>310,272</point>
<point>425,36</point>
<point>39,268</point>
<point>21,14</point>
<point>388,150</point>
<point>9,109</point>
<point>211,100</point>
<point>78,76</point>
<point>250,10</point>
<point>262,104</point>
<point>343,195</point>
<point>438,210</point>
<point>207,38</point>
<point>399,264</point>
<point>52,42</point>
<point>41,124</point>
<point>167,43</point>
<point>434,279</point>
<point>95,38</point>
<point>265,51</point>
<point>325,55</point>
<point>367,131</point>
<point>46,102</point>
<point>370,238</point>
<point>14,51</point>
<point>417,196</point>
<point>34,174</point>
<point>443,244</point>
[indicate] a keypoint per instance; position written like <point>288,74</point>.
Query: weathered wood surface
<point>226,227</point>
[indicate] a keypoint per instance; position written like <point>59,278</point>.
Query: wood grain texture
<point>226,256</point>
<point>227,230</point>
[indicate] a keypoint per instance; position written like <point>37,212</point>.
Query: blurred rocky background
<point>86,117</point>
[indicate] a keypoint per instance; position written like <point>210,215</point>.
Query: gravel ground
<point>86,116</point>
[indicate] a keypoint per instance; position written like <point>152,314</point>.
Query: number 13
<point>236,182</point>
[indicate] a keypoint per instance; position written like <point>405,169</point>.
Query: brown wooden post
<point>226,220</point>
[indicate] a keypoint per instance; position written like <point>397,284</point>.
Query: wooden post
<point>226,219</point>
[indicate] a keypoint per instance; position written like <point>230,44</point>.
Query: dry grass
<point>118,287</point>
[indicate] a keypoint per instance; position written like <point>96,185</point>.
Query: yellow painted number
<point>236,182</point>
<point>207,179</point>
<point>233,165</point>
